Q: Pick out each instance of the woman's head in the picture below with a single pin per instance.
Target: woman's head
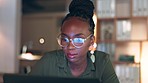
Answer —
(77, 30)
(84, 10)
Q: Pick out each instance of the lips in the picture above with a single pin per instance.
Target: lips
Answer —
(71, 55)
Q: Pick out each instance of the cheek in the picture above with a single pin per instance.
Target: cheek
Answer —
(84, 49)
(64, 49)
(87, 44)
(81, 51)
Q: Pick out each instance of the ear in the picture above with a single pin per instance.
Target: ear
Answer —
(92, 40)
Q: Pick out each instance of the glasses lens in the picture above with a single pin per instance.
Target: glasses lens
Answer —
(78, 41)
(63, 41)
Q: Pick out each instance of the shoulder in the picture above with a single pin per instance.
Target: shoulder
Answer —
(54, 52)
(102, 55)
(52, 55)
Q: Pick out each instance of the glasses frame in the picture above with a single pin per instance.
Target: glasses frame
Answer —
(71, 40)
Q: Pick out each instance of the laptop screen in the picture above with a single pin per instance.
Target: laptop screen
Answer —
(16, 78)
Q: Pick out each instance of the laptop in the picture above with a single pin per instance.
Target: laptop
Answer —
(17, 78)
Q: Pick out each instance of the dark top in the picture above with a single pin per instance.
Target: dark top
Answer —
(54, 64)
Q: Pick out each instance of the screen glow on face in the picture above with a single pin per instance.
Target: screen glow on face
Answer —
(76, 41)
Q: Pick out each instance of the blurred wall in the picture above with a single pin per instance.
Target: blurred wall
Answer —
(10, 13)
(37, 26)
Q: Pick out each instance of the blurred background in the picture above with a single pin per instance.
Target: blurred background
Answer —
(28, 28)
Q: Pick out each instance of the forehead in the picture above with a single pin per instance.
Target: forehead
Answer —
(74, 26)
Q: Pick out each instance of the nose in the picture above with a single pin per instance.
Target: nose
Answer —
(70, 45)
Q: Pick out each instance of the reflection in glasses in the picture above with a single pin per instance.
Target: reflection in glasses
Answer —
(77, 41)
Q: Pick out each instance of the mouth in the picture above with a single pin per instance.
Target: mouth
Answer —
(71, 55)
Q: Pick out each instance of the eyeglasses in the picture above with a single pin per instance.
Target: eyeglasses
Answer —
(77, 41)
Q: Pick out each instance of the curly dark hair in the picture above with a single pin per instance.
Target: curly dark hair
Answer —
(83, 9)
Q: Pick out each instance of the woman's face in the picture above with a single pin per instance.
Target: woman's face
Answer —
(74, 27)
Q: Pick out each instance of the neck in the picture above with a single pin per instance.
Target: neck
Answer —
(78, 68)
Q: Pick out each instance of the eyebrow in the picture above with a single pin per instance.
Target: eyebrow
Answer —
(74, 35)
(79, 34)
(64, 34)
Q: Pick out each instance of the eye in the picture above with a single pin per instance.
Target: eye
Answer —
(78, 40)
(64, 39)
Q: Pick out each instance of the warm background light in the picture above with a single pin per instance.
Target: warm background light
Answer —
(95, 31)
(29, 56)
(144, 63)
(41, 40)
(132, 48)
(2, 3)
